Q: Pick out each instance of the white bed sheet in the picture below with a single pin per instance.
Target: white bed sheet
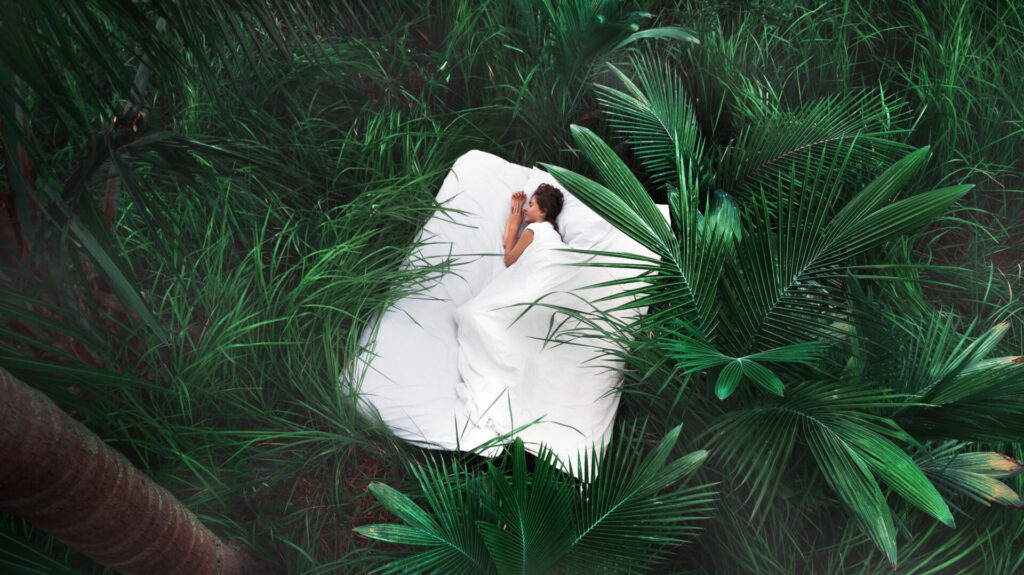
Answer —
(409, 376)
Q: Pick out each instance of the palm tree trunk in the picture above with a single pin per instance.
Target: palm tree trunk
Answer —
(63, 479)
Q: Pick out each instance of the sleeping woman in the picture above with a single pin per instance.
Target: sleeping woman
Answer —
(541, 214)
(512, 375)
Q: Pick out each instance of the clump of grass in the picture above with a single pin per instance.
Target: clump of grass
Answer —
(262, 276)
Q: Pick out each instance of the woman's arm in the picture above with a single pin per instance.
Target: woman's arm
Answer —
(517, 250)
(515, 219)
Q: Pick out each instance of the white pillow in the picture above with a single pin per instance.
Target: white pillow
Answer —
(580, 226)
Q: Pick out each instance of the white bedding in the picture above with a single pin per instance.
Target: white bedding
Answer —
(409, 374)
(514, 374)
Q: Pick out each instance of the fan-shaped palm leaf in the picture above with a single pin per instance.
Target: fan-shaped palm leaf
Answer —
(961, 394)
(449, 531)
(532, 512)
(657, 117)
(953, 390)
(632, 508)
(853, 449)
(690, 257)
(697, 356)
(516, 521)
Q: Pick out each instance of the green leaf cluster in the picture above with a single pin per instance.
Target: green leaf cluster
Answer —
(619, 516)
(757, 291)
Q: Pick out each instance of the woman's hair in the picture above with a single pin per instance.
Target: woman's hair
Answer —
(549, 200)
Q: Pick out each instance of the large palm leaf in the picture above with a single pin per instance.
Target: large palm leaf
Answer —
(788, 276)
(854, 450)
(659, 120)
(958, 470)
(954, 389)
(768, 142)
(773, 140)
(685, 275)
(794, 169)
(622, 513)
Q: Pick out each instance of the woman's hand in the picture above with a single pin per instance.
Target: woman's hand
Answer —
(515, 219)
(518, 200)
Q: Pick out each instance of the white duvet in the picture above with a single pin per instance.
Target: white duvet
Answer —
(469, 361)
(521, 367)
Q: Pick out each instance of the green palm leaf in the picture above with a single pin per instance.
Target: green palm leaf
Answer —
(421, 527)
(984, 402)
(449, 530)
(784, 286)
(532, 514)
(691, 256)
(765, 280)
(772, 144)
(625, 510)
(975, 475)
(953, 390)
(617, 176)
(661, 33)
(659, 120)
(896, 469)
(852, 448)
(850, 477)
(695, 355)
(631, 508)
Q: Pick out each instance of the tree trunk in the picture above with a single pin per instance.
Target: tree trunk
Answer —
(63, 479)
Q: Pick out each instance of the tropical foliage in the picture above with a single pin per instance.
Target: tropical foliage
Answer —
(735, 288)
(204, 205)
(618, 516)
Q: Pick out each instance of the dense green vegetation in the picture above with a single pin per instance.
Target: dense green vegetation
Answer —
(207, 202)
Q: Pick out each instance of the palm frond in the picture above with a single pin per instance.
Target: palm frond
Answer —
(511, 520)
(984, 402)
(862, 126)
(531, 531)
(784, 287)
(953, 390)
(632, 508)
(691, 261)
(694, 355)
(854, 451)
(658, 119)
(976, 475)
(449, 531)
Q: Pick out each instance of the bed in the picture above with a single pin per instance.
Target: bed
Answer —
(515, 378)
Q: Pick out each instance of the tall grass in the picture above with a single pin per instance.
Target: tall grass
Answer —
(259, 343)
(262, 275)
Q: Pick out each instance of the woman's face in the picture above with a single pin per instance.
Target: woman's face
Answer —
(532, 212)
